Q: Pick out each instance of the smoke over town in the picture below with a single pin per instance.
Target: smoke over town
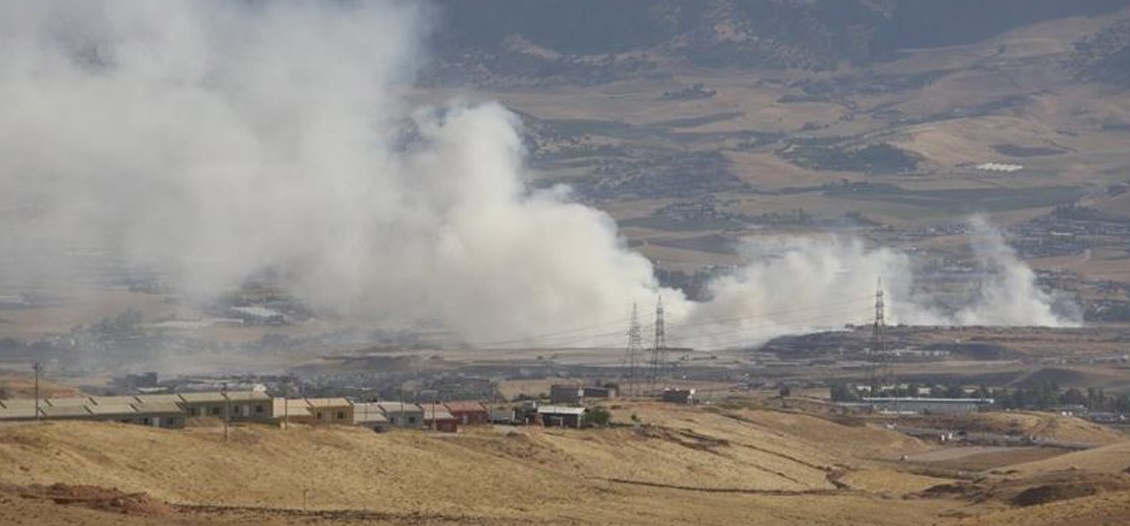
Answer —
(214, 140)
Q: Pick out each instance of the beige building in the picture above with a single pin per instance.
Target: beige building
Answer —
(330, 410)
(237, 406)
(369, 415)
(210, 404)
(123, 409)
(401, 414)
(293, 410)
(159, 414)
(66, 402)
(250, 405)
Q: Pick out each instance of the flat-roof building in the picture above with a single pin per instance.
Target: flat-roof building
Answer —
(250, 405)
(331, 410)
(561, 416)
(114, 400)
(402, 414)
(293, 410)
(65, 412)
(569, 394)
(66, 402)
(437, 418)
(204, 404)
(367, 414)
(17, 414)
(468, 412)
(678, 396)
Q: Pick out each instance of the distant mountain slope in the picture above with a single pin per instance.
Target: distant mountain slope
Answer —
(504, 36)
(1105, 57)
(926, 23)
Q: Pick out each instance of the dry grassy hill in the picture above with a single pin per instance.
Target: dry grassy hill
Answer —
(686, 467)
(21, 385)
(1042, 426)
(680, 466)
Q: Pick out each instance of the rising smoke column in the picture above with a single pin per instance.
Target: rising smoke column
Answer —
(798, 285)
(1009, 294)
(212, 140)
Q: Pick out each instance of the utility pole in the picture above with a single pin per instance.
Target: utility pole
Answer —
(634, 350)
(38, 367)
(286, 402)
(227, 409)
(659, 351)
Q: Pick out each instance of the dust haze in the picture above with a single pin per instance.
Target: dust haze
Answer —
(215, 140)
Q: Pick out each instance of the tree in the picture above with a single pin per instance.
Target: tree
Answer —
(843, 393)
(597, 417)
(1072, 396)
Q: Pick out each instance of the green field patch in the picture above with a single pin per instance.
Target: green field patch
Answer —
(1015, 150)
(713, 243)
(963, 200)
(691, 122)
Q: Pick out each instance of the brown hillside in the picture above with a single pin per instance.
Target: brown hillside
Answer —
(714, 467)
(19, 385)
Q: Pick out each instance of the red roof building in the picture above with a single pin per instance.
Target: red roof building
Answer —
(438, 419)
(468, 412)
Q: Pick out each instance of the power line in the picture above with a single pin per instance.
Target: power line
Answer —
(564, 332)
(565, 337)
(740, 340)
(634, 349)
(858, 301)
(830, 316)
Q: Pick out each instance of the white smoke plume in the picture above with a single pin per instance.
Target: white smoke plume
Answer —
(211, 140)
(215, 139)
(797, 285)
(1009, 294)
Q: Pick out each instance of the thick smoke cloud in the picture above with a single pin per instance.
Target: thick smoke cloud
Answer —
(1009, 294)
(212, 140)
(798, 285)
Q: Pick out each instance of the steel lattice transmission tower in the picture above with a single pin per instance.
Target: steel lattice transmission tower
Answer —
(634, 351)
(880, 367)
(659, 349)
